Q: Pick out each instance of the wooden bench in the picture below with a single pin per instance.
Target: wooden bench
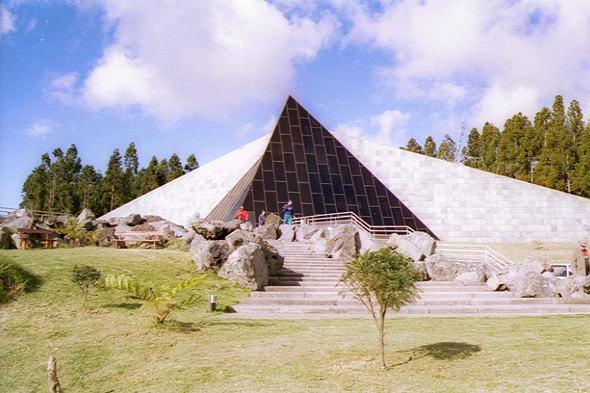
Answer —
(137, 236)
(29, 234)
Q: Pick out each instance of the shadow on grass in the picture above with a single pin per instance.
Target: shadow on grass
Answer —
(235, 322)
(16, 280)
(441, 351)
(125, 306)
(182, 327)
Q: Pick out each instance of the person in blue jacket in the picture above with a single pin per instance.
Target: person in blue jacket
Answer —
(288, 210)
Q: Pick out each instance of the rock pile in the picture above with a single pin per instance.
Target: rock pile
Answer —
(241, 256)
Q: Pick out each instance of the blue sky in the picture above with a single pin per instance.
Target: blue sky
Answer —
(205, 77)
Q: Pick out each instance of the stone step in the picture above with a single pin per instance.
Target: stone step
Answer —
(306, 277)
(328, 288)
(432, 295)
(313, 264)
(507, 309)
(336, 301)
(299, 273)
(307, 283)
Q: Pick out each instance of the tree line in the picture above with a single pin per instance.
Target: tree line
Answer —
(552, 151)
(61, 183)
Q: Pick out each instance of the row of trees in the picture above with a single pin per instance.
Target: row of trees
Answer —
(552, 151)
(62, 184)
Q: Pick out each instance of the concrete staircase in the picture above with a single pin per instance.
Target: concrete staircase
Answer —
(309, 284)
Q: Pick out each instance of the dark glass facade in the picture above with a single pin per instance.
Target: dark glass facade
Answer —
(305, 163)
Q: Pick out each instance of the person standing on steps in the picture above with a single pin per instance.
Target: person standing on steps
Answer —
(262, 218)
(242, 214)
(288, 210)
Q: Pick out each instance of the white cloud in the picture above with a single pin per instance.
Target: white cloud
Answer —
(7, 20)
(63, 87)
(41, 128)
(201, 58)
(269, 126)
(390, 125)
(387, 127)
(497, 57)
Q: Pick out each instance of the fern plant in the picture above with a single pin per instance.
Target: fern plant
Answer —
(157, 301)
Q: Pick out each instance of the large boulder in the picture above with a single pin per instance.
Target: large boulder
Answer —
(309, 233)
(416, 245)
(469, 278)
(343, 243)
(208, 254)
(133, 220)
(287, 232)
(246, 266)
(367, 244)
(239, 238)
(215, 230)
(273, 219)
(18, 219)
(87, 219)
(268, 231)
(247, 226)
(172, 233)
(441, 268)
(104, 236)
(531, 284)
(575, 289)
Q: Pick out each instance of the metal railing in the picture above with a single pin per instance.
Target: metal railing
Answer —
(474, 253)
(36, 213)
(375, 232)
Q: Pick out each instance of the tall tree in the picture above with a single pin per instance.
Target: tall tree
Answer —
(89, 190)
(113, 181)
(581, 179)
(150, 177)
(554, 158)
(35, 191)
(473, 152)
(191, 164)
(414, 146)
(162, 172)
(131, 168)
(511, 157)
(490, 139)
(54, 179)
(175, 169)
(447, 150)
(69, 174)
(430, 147)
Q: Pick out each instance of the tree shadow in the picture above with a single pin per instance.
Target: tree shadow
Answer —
(440, 351)
(447, 350)
(126, 306)
(182, 327)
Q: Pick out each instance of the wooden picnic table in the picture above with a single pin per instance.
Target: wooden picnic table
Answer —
(42, 235)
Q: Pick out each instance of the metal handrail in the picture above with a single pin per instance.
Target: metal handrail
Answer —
(475, 253)
(375, 232)
(7, 210)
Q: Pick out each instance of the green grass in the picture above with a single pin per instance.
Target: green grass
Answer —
(111, 346)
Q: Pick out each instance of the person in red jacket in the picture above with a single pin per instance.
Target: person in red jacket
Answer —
(242, 214)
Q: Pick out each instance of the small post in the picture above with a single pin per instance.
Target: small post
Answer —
(211, 303)
(54, 385)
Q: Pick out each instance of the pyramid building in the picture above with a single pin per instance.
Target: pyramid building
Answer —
(324, 173)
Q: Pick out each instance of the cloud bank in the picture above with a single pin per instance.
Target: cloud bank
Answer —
(202, 58)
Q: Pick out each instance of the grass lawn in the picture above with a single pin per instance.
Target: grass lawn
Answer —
(110, 345)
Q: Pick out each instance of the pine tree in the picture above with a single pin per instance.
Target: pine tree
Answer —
(447, 150)
(174, 168)
(430, 147)
(490, 138)
(35, 191)
(69, 173)
(553, 161)
(89, 189)
(414, 146)
(54, 179)
(511, 156)
(473, 152)
(191, 164)
(581, 179)
(131, 167)
(150, 177)
(162, 172)
(113, 181)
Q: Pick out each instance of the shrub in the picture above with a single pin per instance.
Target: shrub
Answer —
(382, 280)
(158, 301)
(85, 276)
(15, 280)
(75, 233)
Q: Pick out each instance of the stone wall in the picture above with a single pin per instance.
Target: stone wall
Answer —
(198, 191)
(459, 203)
